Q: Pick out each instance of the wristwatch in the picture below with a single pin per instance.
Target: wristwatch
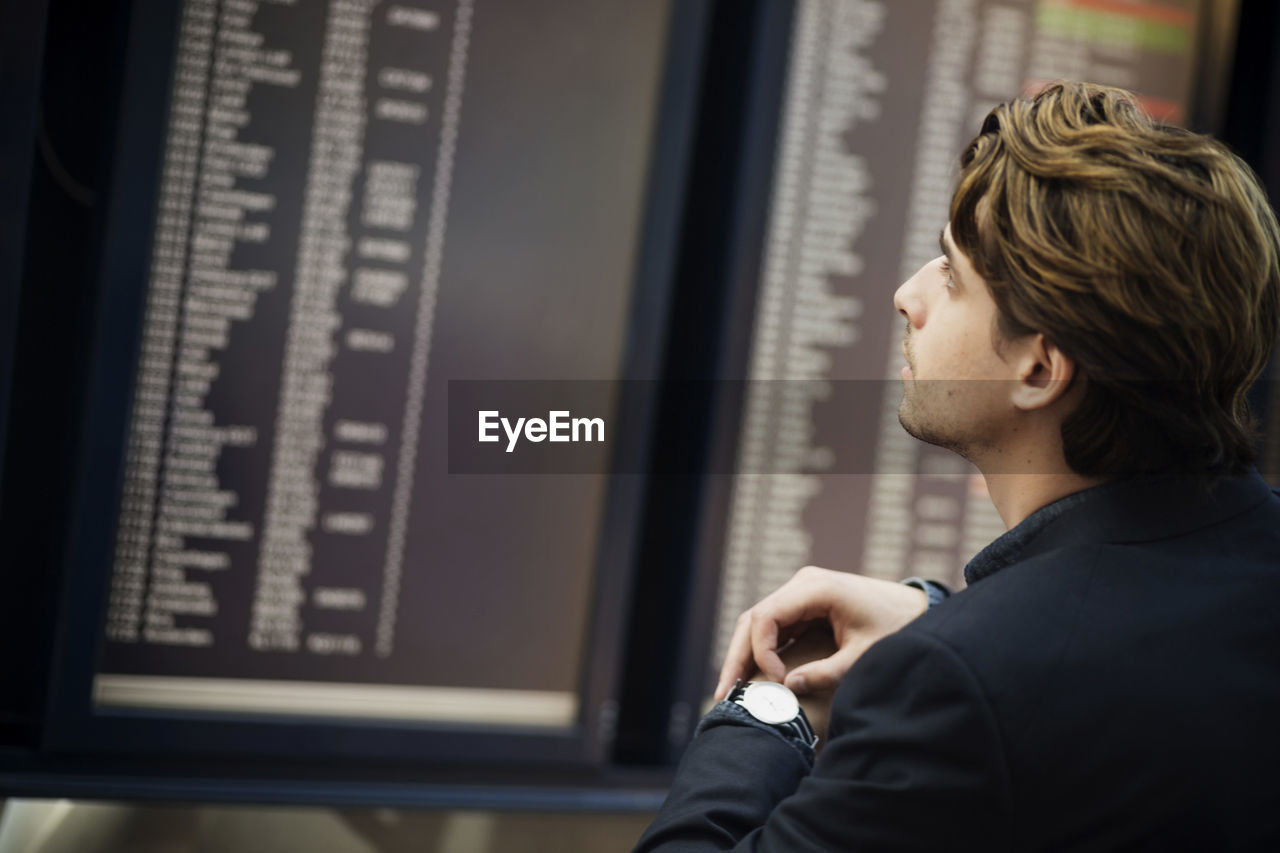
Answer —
(774, 705)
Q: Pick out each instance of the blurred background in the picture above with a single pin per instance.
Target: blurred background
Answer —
(262, 588)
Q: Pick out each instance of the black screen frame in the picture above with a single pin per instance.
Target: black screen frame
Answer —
(21, 54)
(21, 72)
(721, 253)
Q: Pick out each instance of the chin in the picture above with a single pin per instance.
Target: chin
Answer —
(919, 427)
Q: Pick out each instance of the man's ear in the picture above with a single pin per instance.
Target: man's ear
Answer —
(1044, 373)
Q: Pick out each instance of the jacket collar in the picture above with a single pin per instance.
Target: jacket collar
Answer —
(1133, 510)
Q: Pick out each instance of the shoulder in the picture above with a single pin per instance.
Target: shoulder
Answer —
(1032, 600)
(1127, 647)
(1005, 646)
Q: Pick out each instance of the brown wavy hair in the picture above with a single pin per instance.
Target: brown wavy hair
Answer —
(1146, 253)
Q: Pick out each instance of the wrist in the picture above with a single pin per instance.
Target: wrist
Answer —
(730, 714)
(767, 705)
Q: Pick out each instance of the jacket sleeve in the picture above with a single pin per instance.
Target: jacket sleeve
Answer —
(915, 762)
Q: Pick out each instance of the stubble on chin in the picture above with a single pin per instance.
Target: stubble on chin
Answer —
(912, 417)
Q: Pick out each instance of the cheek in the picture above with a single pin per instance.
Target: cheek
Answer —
(951, 352)
(972, 363)
(972, 347)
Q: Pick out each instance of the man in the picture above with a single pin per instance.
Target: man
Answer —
(1110, 678)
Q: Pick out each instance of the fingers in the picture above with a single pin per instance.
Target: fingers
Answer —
(857, 610)
(821, 675)
(756, 635)
(740, 661)
(736, 658)
(764, 644)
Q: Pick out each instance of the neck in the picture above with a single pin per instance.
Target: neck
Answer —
(1016, 496)
(1030, 474)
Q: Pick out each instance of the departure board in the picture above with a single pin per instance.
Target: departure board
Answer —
(880, 100)
(360, 201)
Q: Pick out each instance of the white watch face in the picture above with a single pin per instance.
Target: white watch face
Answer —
(770, 702)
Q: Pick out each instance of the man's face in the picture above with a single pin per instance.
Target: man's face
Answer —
(957, 386)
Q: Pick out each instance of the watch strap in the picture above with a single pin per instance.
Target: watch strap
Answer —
(798, 728)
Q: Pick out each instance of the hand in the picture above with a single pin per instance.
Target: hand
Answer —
(814, 642)
(860, 610)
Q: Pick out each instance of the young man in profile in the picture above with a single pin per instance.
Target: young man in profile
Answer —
(1110, 678)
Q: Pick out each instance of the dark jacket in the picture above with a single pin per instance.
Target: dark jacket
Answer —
(1110, 680)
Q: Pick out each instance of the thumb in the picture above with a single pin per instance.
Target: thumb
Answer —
(819, 675)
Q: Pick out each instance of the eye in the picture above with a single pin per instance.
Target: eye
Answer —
(945, 268)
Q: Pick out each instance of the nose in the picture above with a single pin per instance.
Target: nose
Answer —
(909, 300)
